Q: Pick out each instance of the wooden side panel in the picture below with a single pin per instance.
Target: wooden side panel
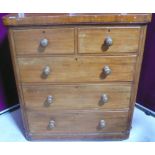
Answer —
(77, 121)
(125, 39)
(77, 96)
(137, 72)
(17, 79)
(81, 69)
(60, 41)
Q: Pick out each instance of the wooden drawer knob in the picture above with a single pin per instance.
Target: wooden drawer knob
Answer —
(104, 98)
(49, 100)
(51, 124)
(107, 70)
(108, 41)
(44, 42)
(102, 124)
(46, 71)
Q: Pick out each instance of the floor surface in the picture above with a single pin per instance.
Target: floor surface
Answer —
(11, 128)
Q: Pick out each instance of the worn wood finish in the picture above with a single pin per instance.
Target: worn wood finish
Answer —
(79, 137)
(75, 80)
(60, 41)
(75, 18)
(77, 96)
(91, 40)
(77, 69)
(77, 121)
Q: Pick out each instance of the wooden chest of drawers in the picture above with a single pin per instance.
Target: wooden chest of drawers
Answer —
(77, 74)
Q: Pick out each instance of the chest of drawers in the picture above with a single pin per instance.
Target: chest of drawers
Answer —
(77, 74)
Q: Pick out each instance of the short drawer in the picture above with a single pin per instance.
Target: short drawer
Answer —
(44, 41)
(77, 97)
(108, 40)
(77, 69)
(77, 122)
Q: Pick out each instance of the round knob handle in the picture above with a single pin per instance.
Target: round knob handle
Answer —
(104, 98)
(102, 124)
(44, 42)
(46, 71)
(108, 41)
(107, 70)
(49, 100)
(51, 124)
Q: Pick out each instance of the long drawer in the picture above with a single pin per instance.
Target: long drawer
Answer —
(77, 122)
(108, 40)
(83, 97)
(77, 69)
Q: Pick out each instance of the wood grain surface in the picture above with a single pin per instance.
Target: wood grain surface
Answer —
(91, 39)
(77, 121)
(80, 96)
(75, 18)
(60, 41)
(77, 69)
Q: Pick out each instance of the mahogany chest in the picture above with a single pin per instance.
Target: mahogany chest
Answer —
(77, 74)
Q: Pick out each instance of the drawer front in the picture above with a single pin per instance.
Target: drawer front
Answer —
(108, 40)
(77, 122)
(91, 96)
(44, 41)
(81, 69)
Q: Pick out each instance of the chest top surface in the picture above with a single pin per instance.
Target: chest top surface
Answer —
(74, 18)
